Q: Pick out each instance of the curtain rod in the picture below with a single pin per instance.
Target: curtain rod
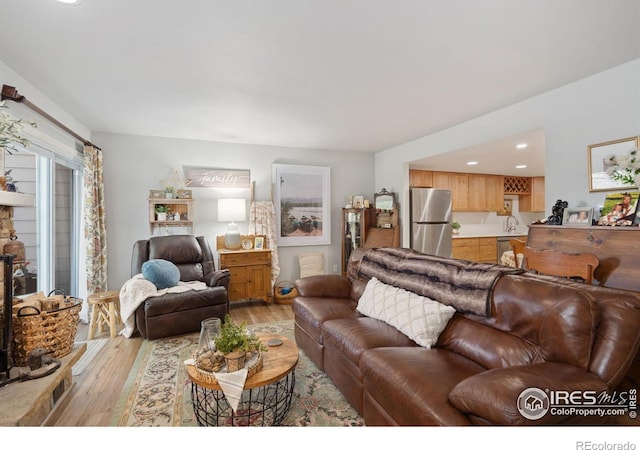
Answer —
(11, 93)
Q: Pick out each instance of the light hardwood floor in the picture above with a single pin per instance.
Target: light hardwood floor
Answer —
(95, 392)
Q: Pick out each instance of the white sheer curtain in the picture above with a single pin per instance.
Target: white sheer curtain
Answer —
(262, 220)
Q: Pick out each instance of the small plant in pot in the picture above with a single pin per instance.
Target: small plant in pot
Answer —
(456, 227)
(169, 191)
(237, 344)
(161, 212)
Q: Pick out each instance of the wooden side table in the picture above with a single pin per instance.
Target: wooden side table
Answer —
(249, 270)
(105, 311)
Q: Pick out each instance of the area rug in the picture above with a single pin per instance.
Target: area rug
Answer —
(158, 393)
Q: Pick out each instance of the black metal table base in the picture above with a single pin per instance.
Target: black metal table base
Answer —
(263, 406)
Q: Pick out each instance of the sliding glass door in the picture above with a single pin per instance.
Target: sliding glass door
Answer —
(65, 230)
(50, 230)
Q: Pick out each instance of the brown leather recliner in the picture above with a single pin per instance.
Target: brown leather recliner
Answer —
(178, 313)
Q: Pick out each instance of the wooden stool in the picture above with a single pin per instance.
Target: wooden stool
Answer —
(105, 310)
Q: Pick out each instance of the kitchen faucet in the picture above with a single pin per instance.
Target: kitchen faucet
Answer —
(509, 226)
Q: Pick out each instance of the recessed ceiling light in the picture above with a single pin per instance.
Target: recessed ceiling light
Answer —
(521, 166)
(523, 145)
(472, 163)
(69, 2)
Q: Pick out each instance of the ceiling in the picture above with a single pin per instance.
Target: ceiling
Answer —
(501, 157)
(352, 75)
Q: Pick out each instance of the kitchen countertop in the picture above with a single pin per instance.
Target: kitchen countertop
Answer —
(489, 234)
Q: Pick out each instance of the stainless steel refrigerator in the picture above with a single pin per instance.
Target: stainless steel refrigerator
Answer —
(431, 221)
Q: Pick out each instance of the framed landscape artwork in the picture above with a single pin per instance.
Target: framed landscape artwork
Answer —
(301, 196)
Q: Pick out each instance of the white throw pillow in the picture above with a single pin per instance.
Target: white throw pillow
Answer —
(420, 318)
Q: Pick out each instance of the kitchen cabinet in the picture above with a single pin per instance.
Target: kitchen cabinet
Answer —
(459, 185)
(465, 248)
(482, 192)
(534, 201)
(494, 198)
(421, 178)
(487, 250)
(485, 192)
(484, 249)
(441, 180)
(249, 271)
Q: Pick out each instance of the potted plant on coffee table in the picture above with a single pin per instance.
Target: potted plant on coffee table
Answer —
(237, 344)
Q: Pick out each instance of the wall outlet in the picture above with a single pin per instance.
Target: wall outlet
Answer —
(335, 268)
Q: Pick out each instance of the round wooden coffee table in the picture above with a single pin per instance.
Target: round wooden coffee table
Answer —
(267, 395)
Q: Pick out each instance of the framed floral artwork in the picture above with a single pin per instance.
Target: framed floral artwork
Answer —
(599, 162)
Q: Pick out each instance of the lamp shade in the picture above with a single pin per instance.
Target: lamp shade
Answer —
(232, 210)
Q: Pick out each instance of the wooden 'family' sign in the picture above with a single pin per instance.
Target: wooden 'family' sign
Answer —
(216, 178)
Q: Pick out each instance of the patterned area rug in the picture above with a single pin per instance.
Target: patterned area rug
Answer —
(158, 392)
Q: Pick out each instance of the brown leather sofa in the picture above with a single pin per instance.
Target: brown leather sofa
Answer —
(172, 314)
(541, 332)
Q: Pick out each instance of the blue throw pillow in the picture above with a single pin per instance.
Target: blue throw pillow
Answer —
(162, 273)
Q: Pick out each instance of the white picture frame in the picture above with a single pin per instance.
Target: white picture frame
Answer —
(577, 217)
(258, 243)
(302, 196)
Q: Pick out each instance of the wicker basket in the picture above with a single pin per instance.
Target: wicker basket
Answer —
(54, 330)
(284, 292)
(253, 366)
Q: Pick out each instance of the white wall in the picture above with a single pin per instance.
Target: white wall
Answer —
(9, 77)
(134, 164)
(599, 108)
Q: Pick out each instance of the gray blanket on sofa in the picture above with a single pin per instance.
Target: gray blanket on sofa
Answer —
(465, 285)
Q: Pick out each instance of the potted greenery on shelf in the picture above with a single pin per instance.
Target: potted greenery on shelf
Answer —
(456, 227)
(236, 343)
(161, 212)
(169, 191)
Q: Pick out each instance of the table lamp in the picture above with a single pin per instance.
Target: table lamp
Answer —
(232, 210)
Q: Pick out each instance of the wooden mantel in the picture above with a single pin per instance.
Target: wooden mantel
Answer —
(617, 248)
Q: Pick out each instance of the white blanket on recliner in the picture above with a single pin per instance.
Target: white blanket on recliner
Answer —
(138, 289)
